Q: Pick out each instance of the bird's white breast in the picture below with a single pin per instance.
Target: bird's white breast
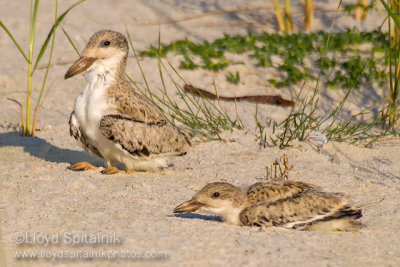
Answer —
(91, 105)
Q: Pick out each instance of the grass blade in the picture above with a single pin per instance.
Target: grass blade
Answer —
(45, 76)
(70, 41)
(391, 14)
(14, 41)
(52, 31)
(32, 28)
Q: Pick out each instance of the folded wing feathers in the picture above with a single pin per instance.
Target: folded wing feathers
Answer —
(270, 192)
(75, 131)
(310, 207)
(144, 139)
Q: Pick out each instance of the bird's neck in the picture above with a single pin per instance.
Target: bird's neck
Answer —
(230, 213)
(232, 216)
(108, 70)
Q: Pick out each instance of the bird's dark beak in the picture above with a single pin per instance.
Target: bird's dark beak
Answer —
(82, 64)
(188, 206)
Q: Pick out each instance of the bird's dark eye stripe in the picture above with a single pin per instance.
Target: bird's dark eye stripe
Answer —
(216, 194)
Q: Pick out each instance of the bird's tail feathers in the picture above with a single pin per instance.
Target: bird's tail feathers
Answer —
(153, 165)
(343, 224)
(342, 220)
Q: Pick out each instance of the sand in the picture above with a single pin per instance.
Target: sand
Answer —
(40, 197)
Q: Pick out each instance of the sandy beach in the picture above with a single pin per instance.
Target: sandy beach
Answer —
(38, 194)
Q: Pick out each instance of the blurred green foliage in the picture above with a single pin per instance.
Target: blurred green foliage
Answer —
(352, 57)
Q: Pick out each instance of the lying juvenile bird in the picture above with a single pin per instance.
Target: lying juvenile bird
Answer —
(287, 204)
(111, 120)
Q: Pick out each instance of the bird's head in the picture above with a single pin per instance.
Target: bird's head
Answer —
(219, 198)
(108, 48)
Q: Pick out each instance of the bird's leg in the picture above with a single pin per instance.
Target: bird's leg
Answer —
(110, 169)
(81, 166)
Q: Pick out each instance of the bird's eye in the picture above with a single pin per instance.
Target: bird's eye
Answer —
(106, 43)
(216, 194)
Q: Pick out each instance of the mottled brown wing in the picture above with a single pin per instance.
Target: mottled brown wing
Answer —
(75, 131)
(263, 192)
(308, 208)
(132, 104)
(144, 139)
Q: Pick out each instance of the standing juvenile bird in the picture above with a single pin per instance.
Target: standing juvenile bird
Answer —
(111, 120)
(292, 205)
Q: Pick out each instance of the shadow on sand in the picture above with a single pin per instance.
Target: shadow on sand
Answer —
(198, 216)
(42, 149)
